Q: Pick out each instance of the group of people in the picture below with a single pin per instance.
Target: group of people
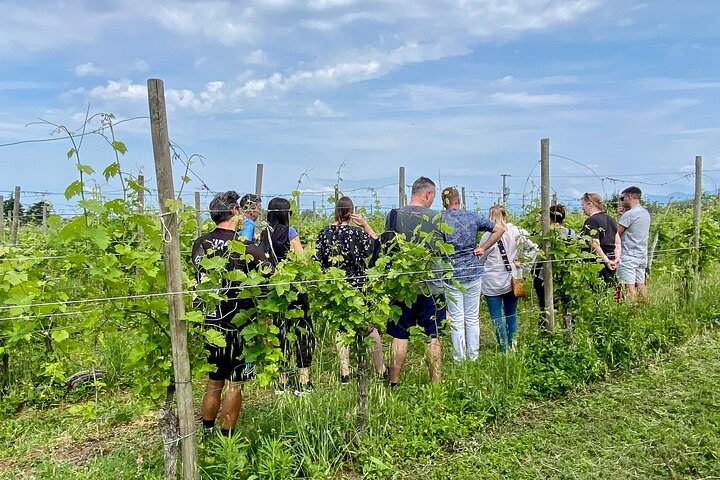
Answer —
(489, 267)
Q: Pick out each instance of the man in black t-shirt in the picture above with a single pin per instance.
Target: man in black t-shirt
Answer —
(229, 367)
(603, 229)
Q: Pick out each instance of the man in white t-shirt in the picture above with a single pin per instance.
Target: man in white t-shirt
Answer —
(634, 230)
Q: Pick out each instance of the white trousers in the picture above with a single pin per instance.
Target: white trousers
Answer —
(463, 309)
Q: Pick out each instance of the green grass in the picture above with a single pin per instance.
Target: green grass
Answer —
(661, 422)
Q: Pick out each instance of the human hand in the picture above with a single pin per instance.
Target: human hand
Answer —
(478, 251)
(359, 220)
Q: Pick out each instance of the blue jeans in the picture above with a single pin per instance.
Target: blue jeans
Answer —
(504, 327)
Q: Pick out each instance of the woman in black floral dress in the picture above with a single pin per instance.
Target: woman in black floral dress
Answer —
(349, 248)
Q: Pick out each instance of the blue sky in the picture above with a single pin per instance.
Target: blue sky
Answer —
(464, 89)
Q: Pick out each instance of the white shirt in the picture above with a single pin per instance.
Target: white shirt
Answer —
(518, 246)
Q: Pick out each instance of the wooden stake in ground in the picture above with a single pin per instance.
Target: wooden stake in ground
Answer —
(401, 187)
(15, 217)
(171, 257)
(697, 212)
(464, 203)
(258, 180)
(545, 216)
(2, 217)
(198, 215)
(141, 205)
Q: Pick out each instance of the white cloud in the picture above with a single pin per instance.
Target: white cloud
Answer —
(87, 70)
(256, 57)
(141, 66)
(674, 84)
(526, 100)
(321, 109)
(203, 101)
(119, 89)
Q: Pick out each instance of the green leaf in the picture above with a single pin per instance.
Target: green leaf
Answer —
(119, 147)
(185, 179)
(75, 188)
(71, 152)
(215, 338)
(111, 170)
(60, 335)
(85, 168)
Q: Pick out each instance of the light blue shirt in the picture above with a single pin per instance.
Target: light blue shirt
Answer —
(248, 230)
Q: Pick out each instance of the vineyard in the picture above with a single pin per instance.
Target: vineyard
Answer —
(84, 296)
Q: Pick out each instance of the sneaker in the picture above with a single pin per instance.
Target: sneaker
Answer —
(281, 389)
(513, 347)
(303, 390)
(344, 379)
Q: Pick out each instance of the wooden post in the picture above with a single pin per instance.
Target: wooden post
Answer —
(505, 190)
(44, 216)
(297, 202)
(198, 215)
(2, 217)
(554, 199)
(314, 217)
(697, 212)
(258, 180)
(171, 257)
(401, 187)
(15, 217)
(545, 215)
(464, 204)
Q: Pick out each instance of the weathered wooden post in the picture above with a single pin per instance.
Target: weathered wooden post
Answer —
(198, 215)
(402, 198)
(15, 217)
(2, 217)
(44, 216)
(141, 205)
(314, 217)
(697, 212)
(545, 217)
(171, 257)
(258, 180)
(464, 204)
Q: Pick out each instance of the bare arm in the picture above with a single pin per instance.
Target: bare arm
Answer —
(296, 246)
(618, 246)
(495, 235)
(598, 250)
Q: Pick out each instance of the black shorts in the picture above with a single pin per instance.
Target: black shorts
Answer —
(427, 312)
(226, 360)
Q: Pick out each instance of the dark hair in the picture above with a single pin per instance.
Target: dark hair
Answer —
(633, 191)
(221, 206)
(278, 212)
(557, 213)
(249, 201)
(344, 207)
(450, 196)
(422, 184)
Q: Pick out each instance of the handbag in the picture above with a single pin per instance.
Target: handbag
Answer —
(517, 284)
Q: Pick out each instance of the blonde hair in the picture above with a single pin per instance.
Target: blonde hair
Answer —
(594, 199)
(450, 196)
(497, 214)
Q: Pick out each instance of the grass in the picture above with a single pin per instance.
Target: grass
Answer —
(661, 422)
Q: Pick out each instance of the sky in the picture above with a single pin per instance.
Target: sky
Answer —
(460, 91)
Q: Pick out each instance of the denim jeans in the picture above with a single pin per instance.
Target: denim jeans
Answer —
(504, 327)
(464, 309)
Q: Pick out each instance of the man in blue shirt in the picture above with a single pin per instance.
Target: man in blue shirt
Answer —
(251, 206)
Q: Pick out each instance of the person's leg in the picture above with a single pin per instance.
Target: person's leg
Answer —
(344, 353)
(510, 303)
(377, 352)
(231, 405)
(456, 310)
(211, 402)
(471, 306)
(305, 347)
(640, 287)
(434, 360)
(398, 347)
(626, 276)
(398, 353)
(494, 303)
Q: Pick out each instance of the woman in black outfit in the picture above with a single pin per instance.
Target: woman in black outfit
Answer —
(277, 240)
(350, 248)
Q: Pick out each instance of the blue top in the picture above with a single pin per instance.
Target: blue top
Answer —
(464, 237)
(248, 230)
(292, 233)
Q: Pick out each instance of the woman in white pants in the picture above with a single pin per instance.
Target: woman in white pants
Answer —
(463, 290)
